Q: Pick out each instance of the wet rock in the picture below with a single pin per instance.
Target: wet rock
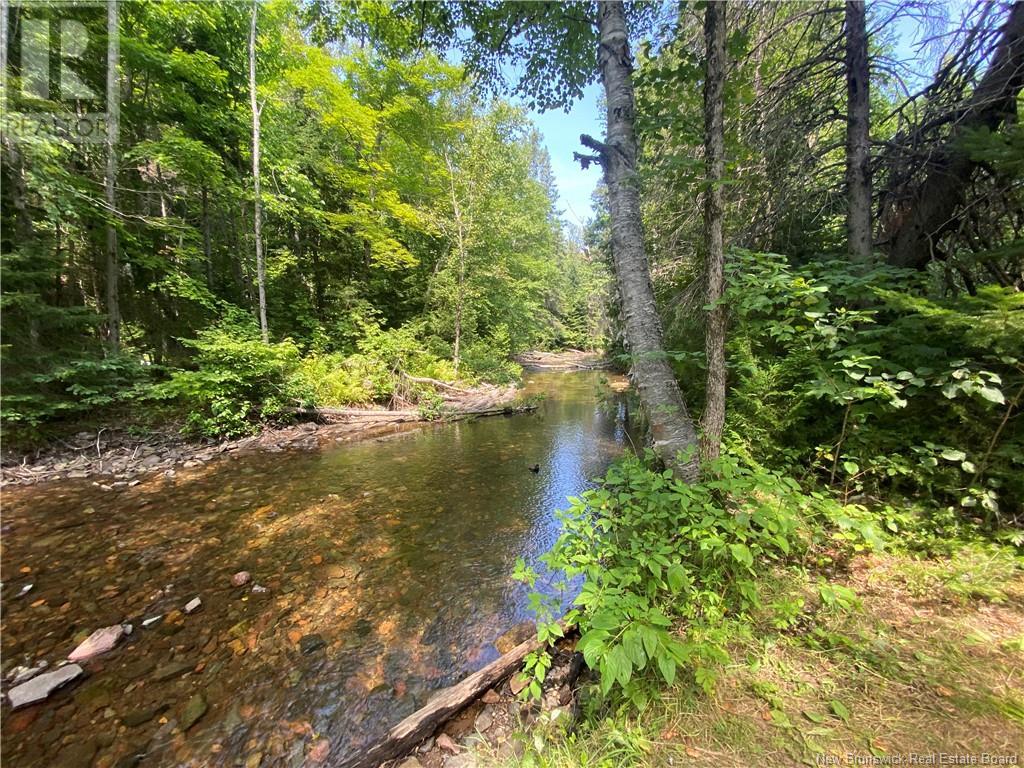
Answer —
(311, 643)
(427, 745)
(138, 669)
(194, 709)
(240, 579)
(41, 686)
(193, 605)
(128, 629)
(25, 590)
(172, 669)
(410, 762)
(100, 641)
(520, 633)
(259, 589)
(77, 754)
(94, 697)
(21, 675)
(138, 717)
(319, 751)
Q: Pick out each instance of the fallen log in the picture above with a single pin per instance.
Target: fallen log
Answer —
(446, 703)
(391, 417)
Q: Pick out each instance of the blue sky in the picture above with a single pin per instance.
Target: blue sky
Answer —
(561, 131)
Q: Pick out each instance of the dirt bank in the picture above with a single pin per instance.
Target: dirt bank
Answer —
(118, 457)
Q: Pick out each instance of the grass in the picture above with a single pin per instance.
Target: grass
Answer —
(931, 661)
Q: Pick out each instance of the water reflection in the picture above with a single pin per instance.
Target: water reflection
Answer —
(394, 553)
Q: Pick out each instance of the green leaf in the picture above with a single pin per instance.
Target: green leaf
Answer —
(741, 553)
(851, 467)
(667, 667)
(951, 454)
(814, 717)
(677, 578)
(992, 394)
(839, 710)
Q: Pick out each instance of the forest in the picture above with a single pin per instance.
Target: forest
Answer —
(806, 258)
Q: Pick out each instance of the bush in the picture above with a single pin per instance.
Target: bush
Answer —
(237, 379)
(652, 553)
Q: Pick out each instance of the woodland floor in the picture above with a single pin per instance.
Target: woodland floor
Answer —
(932, 663)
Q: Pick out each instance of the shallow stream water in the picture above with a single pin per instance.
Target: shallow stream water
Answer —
(386, 566)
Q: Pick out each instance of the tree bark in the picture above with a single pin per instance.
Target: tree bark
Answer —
(933, 208)
(257, 225)
(713, 418)
(110, 181)
(672, 429)
(858, 140)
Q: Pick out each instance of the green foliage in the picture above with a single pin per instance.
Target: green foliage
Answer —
(669, 572)
(238, 379)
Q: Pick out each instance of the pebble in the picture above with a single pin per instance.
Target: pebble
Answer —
(259, 589)
(100, 641)
(240, 579)
(25, 590)
(484, 719)
(41, 686)
(193, 605)
(147, 623)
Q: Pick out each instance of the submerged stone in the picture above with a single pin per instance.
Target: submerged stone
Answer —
(100, 641)
(194, 709)
(311, 643)
(40, 687)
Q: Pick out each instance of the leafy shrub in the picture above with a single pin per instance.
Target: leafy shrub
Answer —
(489, 359)
(653, 553)
(238, 378)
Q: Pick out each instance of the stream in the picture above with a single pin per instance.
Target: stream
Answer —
(380, 572)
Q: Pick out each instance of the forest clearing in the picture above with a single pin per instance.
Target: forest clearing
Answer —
(518, 384)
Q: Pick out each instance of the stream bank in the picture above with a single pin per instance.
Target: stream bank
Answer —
(118, 458)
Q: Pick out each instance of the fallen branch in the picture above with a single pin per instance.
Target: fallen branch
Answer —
(446, 703)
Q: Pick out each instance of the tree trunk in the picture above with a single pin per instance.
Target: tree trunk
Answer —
(672, 429)
(858, 128)
(110, 181)
(713, 418)
(207, 250)
(460, 244)
(257, 222)
(933, 208)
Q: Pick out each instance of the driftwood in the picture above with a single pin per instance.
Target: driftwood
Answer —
(394, 417)
(446, 703)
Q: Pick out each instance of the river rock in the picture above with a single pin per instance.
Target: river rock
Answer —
(41, 686)
(484, 719)
(21, 675)
(138, 717)
(517, 683)
(240, 579)
(100, 641)
(172, 669)
(520, 633)
(193, 605)
(410, 762)
(147, 623)
(194, 709)
(311, 643)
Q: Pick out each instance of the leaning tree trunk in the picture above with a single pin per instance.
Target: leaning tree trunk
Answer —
(858, 141)
(934, 206)
(110, 181)
(257, 223)
(675, 438)
(713, 418)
